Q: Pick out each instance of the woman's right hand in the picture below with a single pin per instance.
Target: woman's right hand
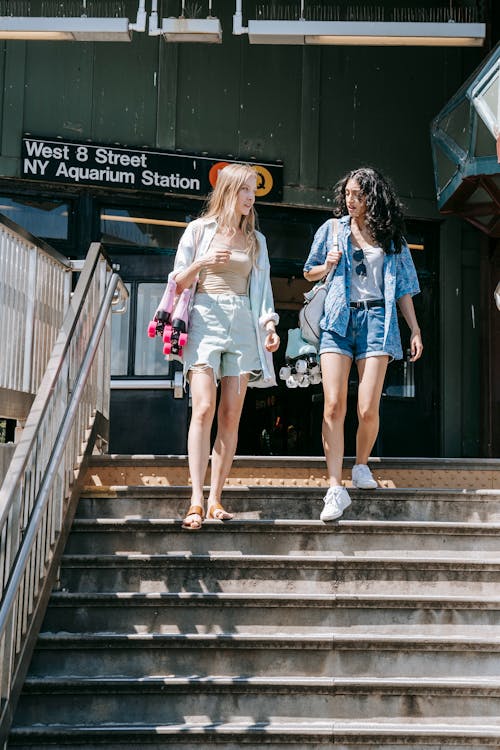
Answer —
(333, 259)
(215, 257)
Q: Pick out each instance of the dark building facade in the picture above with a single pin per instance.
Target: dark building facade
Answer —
(119, 143)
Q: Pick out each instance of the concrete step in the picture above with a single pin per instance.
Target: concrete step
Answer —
(369, 654)
(303, 471)
(96, 701)
(126, 612)
(330, 573)
(297, 503)
(358, 734)
(284, 537)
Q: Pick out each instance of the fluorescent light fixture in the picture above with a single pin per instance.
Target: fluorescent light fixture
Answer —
(184, 29)
(369, 33)
(143, 220)
(78, 29)
(70, 29)
(206, 30)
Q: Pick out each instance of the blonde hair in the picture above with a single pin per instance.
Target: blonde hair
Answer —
(221, 203)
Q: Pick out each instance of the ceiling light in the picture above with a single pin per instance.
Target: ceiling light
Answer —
(183, 29)
(369, 33)
(206, 30)
(79, 29)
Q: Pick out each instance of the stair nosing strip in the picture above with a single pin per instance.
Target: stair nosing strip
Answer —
(332, 640)
(403, 601)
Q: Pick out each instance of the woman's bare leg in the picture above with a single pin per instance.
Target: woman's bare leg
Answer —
(335, 370)
(203, 399)
(233, 390)
(371, 381)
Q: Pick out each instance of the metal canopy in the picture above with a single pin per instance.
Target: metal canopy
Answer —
(466, 149)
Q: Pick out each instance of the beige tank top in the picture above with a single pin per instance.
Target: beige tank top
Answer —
(226, 278)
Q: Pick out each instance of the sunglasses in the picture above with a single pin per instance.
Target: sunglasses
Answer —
(359, 257)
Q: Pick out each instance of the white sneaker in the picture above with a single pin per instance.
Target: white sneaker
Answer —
(336, 501)
(362, 477)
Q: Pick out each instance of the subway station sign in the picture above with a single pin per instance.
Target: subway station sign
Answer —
(92, 164)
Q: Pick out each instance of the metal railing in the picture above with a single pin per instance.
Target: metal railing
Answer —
(35, 286)
(39, 494)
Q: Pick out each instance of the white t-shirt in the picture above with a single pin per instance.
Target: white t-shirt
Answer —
(371, 286)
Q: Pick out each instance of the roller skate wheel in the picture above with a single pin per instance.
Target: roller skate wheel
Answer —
(167, 334)
(291, 382)
(167, 348)
(285, 373)
(304, 381)
(152, 329)
(301, 366)
(183, 337)
(315, 379)
(314, 370)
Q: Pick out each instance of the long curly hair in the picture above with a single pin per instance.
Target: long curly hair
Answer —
(384, 210)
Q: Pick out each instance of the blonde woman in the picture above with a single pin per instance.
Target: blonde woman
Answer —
(232, 328)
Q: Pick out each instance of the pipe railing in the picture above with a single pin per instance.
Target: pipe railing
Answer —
(35, 287)
(38, 496)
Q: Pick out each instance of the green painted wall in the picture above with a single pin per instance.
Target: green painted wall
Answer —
(321, 111)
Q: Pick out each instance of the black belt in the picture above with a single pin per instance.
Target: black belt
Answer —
(366, 304)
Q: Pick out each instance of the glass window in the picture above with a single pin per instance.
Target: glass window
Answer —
(42, 217)
(485, 143)
(120, 323)
(149, 357)
(490, 96)
(142, 228)
(446, 169)
(456, 124)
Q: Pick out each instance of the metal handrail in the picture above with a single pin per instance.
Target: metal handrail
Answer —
(35, 287)
(38, 496)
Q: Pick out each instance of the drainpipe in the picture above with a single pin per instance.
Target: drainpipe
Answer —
(140, 24)
(238, 28)
(154, 30)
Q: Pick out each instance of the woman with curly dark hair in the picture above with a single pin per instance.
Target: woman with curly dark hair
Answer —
(371, 269)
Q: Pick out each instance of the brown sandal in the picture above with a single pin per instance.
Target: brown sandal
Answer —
(218, 513)
(194, 510)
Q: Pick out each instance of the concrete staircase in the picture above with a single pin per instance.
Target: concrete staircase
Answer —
(273, 630)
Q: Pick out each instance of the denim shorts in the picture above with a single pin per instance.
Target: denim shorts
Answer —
(221, 335)
(364, 336)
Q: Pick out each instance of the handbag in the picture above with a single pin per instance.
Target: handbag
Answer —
(314, 301)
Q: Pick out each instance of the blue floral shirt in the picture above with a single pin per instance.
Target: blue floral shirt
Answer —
(400, 278)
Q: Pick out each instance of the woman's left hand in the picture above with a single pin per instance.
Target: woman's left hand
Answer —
(416, 346)
(272, 341)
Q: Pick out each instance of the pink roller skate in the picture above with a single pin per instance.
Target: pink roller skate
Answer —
(175, 336)
(163, 314)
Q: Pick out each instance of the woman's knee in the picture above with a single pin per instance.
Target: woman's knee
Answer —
(368, 413)
(202, 410)
(334, 409)
(228, 417)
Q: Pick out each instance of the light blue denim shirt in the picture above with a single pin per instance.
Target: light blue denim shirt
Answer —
(196, 242)
(400, 278)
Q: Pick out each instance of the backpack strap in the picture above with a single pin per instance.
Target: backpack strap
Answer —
(335, 246)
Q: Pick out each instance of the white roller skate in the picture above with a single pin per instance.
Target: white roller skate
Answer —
(302, 362)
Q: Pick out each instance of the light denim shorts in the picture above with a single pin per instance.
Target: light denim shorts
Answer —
(364, 336)
(222, 336)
